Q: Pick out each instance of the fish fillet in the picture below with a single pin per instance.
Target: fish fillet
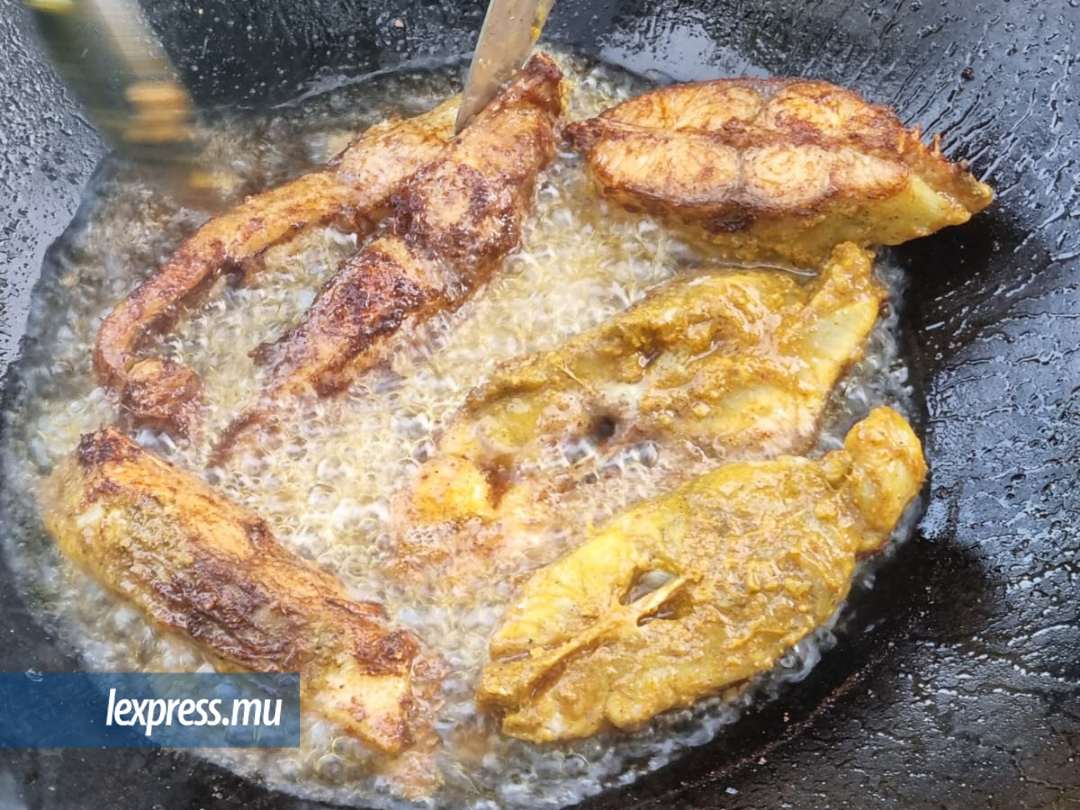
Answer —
(453, 223)
(698, 590)
(725, 364)
(775, 170)
(352, 193)
(200, 566)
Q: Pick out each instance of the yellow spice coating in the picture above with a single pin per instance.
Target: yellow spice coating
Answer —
(726, 365)
(685, 594)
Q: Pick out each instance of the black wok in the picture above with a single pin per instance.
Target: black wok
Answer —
(956, 682)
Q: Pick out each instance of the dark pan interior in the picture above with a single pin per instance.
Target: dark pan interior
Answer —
(957, 681)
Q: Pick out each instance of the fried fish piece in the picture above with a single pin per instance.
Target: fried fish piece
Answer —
(775, 170)
(453, 222)
(203, 567)
(352, 192)
(698, 590)
(725, 364)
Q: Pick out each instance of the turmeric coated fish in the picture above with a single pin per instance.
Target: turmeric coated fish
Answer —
(727, 365)
(775, 170)
(701, 589)
(200, 566)
(352, 192)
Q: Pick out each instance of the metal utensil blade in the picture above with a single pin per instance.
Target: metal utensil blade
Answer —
(511, 28)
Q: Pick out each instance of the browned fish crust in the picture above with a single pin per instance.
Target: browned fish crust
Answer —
(454, 221)
(775, 169)
(352, 192)
(197, 564)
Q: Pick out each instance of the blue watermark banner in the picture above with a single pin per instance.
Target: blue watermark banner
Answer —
(149, 710)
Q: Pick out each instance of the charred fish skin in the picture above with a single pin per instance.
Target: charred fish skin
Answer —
(352, 192)
(202, 567)
(700, 589)
(725, 364)
(454, 221)
(775, 170)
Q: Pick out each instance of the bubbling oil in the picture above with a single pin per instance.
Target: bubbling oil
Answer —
(326, 486)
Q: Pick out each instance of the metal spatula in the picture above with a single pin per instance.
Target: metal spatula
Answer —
(510, 30)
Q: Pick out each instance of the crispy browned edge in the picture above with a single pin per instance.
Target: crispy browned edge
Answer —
(227, 604)
(883, 135)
